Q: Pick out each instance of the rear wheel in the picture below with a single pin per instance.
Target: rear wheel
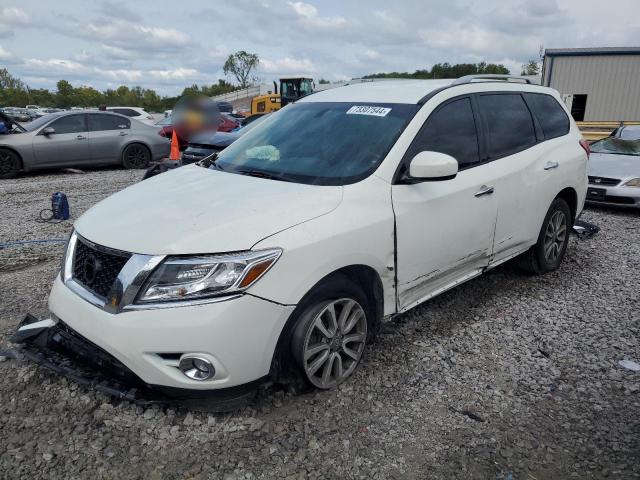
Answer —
(547, 254)
(10, 164)
(331, 333)
(136, 156)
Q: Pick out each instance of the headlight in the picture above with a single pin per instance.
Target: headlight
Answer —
(67, 257)
(201, 276)
(634, 182)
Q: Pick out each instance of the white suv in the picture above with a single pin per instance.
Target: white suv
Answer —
(281, 256)
(133, 112)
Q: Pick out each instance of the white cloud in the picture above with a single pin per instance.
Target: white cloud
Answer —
(14, 16)
(288, 65)
(125, 34)
(309, 14)
(5, 55)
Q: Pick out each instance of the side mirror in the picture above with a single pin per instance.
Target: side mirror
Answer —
(48, 131)
(433, 166)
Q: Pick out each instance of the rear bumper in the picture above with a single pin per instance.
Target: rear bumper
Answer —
(613, 196)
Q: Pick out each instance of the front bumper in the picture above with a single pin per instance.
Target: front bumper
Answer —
(617, 196)
(238, 336)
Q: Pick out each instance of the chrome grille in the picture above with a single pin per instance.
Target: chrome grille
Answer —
(605, 181)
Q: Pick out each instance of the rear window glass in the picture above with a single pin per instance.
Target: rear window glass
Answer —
(550, 114)
(125, 111)
(509, 124)
(104, 121)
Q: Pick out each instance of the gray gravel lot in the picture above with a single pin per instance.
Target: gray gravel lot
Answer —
(507, 376)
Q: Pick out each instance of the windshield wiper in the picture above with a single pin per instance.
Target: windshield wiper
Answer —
(210, 161)
(263, 174)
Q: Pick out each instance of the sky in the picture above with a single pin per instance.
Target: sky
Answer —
(167, 45)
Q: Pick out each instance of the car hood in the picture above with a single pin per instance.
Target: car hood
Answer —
(196, 210)
(614, 166)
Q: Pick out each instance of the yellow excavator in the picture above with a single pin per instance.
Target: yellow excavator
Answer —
(291, 89)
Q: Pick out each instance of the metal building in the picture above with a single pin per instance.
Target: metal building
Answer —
(597, 84)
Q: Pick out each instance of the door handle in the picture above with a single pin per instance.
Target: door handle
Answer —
(551, 165)
(81, 137)
(484, 190)
(123, 134)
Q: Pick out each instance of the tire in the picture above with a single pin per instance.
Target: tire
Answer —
(330, 333)
(547, 254)
(10, 164)
(136, 156)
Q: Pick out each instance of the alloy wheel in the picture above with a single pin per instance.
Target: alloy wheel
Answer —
(136, 156)
(6, 163)
(555, 236)
(334, 343)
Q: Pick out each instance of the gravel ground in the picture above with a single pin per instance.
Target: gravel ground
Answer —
(507, 376)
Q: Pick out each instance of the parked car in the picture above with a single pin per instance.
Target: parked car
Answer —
(206, 143)
(228, 122)
(614, 169)
(17, 114)
(132, 112)
(225, 107)
(71, 139)
(281, 259)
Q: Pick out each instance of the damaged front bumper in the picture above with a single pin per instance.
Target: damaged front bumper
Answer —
(54, 345)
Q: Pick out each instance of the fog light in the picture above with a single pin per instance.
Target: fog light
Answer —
(197, 368)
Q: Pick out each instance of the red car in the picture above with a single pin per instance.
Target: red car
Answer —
(227, 124)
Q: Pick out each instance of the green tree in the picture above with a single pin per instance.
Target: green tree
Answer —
(8, 81)
(64, 94)
(240, 65)
(323, 81)
(446, 70)
(531, 68)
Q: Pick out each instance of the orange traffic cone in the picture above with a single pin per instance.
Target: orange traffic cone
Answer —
(175, 147)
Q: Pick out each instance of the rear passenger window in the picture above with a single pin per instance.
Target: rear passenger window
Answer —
(551, 116)
(509, 124)
(125, 111)
(104, 121)
(452, 130)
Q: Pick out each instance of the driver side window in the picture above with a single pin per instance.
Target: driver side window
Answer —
(451, 129)
(70, 124)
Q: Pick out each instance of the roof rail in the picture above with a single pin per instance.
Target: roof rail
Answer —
(491, 78)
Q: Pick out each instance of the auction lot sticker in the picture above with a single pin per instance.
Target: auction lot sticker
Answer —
(368, 110)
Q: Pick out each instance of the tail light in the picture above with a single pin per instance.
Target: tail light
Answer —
(585, 145)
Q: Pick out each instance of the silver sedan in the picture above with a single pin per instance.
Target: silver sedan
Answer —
(80, 139)
(614, 169)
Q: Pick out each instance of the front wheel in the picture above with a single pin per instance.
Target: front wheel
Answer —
(136, 156)
(547, 254)
(331, 334)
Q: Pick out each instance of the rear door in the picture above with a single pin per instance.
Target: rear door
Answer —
(108, 134)
(69, 145)
(527, 173)
(444, 229)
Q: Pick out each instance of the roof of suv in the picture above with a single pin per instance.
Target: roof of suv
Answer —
(401, 91)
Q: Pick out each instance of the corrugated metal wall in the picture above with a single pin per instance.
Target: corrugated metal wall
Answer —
(611, 83)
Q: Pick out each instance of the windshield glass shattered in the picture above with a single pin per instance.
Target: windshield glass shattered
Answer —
(616, 146)
(321, 143)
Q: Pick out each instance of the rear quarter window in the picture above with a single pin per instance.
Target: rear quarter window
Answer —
(509, 123)
(550, 115)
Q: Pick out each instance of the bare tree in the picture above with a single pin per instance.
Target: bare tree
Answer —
(240, 65)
